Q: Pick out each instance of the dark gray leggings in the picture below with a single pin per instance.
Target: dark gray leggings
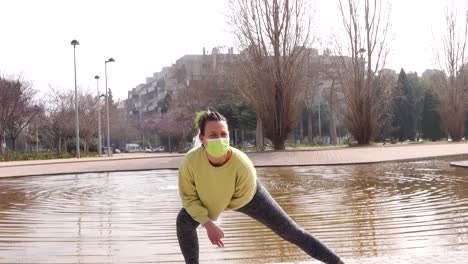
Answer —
(264, 209)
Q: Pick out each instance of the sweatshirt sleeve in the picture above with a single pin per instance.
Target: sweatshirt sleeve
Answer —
(245, 186)
(188, 194)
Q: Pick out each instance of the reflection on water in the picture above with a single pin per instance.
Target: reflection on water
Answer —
(129, 217)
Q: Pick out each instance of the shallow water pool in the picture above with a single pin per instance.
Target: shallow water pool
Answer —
(387, 209)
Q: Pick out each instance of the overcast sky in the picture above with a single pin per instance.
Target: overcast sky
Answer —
(145, 35)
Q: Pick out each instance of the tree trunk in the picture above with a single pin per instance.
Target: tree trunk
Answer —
(301, 129)
(170, 147)
(13, 143)
(3, 144)
(259, 134)
(310, 135)
(235, 137)
(278, 143)
(294, 136)
(332, 123)
(332, 128)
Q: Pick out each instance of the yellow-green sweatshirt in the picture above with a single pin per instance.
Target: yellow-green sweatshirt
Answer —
(206, 191)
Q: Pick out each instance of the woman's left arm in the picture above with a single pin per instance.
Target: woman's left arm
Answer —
(246, 184)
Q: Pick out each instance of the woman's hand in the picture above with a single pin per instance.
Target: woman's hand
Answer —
(215, 234)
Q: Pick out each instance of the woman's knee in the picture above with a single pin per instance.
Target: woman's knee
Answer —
(290, 231)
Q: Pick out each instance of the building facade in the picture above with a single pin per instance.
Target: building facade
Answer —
(150, 98)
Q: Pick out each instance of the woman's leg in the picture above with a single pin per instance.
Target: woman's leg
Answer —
(187, 236)
(266, 210)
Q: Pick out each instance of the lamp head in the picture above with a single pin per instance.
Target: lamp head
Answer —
(96, 77)
(75, 42)
(110, 60)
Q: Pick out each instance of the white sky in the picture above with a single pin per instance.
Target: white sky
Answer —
(145, 35)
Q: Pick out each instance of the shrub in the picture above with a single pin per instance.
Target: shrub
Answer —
(15, 156)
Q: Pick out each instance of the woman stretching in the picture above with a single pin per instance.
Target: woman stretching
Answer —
(215, 177)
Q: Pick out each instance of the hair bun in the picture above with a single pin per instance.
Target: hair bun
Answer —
(199, 116)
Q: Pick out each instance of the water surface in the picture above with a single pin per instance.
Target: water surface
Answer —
(129, 217)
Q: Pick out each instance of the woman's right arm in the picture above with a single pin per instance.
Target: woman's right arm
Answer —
(188, 194)
(215, 234)
(195, 208)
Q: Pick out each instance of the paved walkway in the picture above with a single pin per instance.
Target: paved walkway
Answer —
(303, 157)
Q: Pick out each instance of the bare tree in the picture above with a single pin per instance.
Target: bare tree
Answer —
(451, 89)
(212, 93)
(321, 79)
(17, 108)
(273, 36)
(115, 117)
(21, 119)
(311, 82)
(60, 109)
(35, 136)
(88, 118)
(331, 69)
(366, 24)
(59, 112)
(174, 125)
(335, 101)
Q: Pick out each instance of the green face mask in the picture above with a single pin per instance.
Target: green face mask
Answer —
(217, 147)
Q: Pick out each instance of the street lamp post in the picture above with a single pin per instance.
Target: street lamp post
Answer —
(77, 126)
(107, 106)
(99, 116)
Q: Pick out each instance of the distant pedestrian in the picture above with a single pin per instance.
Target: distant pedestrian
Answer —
(215, 177)
(196, 140)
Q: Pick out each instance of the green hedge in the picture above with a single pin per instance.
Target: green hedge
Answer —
(14, 156)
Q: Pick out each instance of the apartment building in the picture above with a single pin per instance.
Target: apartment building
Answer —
(149, 98)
